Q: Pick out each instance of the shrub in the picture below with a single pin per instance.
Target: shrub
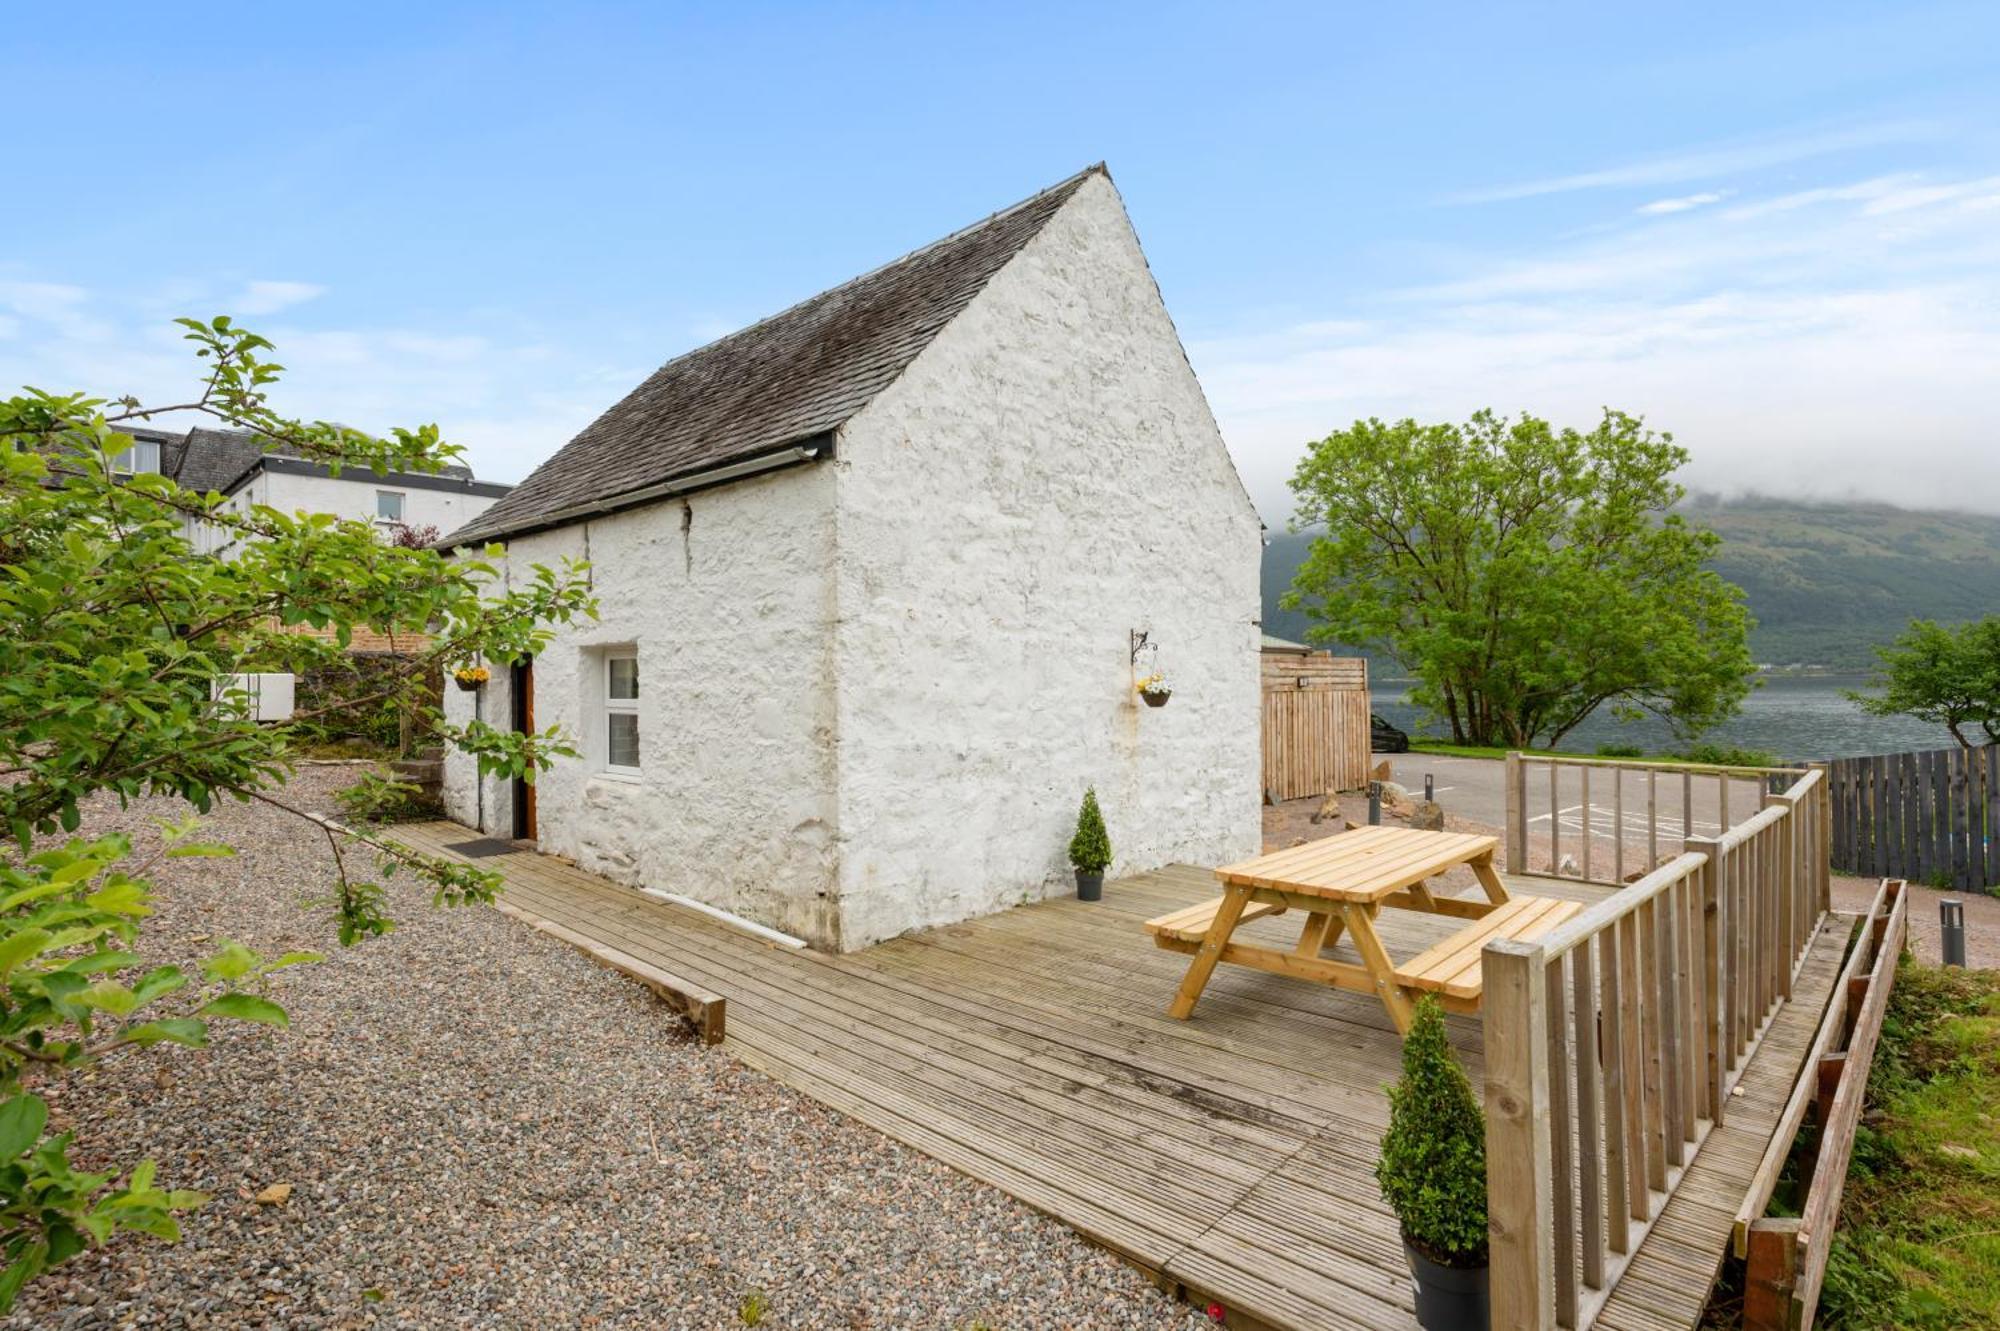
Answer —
(1433, 1165)
(1620, 751)
(1090, 848)
(1728, 755)
(378, 798)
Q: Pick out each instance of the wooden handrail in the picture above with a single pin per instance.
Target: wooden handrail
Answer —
(1618, 905)
(1830, 1035)
(1786, 1257)
(1662, 764)
(1612, 1042)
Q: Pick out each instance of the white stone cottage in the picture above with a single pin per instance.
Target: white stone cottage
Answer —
(871, 575)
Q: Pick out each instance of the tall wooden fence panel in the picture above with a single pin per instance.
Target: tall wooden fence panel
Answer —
(1930, 817)
(1316, 736)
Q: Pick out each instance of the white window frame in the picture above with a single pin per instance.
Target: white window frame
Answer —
(619, 707)
(127, 463)
(402, 507)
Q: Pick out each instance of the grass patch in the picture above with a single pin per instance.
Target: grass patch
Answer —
(1918, 1243)
(1715, 755)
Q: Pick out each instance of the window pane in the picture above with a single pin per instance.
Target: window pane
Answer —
(624, 677)
(389, 504)
(623, 736)
(145, 456)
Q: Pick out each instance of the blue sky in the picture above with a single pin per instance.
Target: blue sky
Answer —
(1772, 229)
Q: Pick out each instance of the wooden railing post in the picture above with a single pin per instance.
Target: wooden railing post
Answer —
(1713, 979)
(1517, 814)
(1520, 1203)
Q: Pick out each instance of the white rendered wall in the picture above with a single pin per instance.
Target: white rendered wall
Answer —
(729, 600)
(1043, 479)
(352, 495)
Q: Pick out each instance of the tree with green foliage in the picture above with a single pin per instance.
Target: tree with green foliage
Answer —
(117, 644)
(1948, 675)
(1525, 576)
(1090, 846)
(1433, 1165)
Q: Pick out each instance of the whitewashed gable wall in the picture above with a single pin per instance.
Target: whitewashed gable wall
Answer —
(1045, 478)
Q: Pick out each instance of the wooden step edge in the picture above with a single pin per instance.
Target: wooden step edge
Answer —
(703, 1009)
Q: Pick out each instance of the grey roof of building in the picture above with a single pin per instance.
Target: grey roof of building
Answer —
(1273, 643)
(794, 376)
(208, 459)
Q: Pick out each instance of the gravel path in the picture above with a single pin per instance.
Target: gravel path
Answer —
(483, 1129)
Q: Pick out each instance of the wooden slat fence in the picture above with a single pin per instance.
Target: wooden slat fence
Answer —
(1612, 1045)
(1786, 1256)
(1611, 821)
(1316, 736)
(1929, 817)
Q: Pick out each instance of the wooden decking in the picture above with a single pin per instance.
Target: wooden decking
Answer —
(1231, 1156)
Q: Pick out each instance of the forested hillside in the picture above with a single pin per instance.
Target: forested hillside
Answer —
(1825, 581)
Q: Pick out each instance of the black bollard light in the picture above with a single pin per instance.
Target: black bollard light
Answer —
(1430, 791)
(1951, 930)
(1374, 803)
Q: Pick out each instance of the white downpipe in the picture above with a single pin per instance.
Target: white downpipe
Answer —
(734, 921)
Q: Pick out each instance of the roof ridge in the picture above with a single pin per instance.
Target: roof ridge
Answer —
(1066, 182)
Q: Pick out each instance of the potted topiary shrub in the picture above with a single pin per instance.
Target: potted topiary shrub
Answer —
(1433, 1176)
(1090, 848)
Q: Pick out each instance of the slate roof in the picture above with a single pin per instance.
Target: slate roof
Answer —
(795, 375)
(209, 459)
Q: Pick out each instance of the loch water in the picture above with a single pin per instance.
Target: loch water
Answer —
(1788, 716)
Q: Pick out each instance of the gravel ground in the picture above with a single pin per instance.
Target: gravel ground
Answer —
(483, 1129)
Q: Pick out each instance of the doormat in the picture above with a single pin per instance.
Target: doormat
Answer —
(482, 847)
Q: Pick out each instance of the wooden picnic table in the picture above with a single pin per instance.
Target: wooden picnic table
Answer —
(1341, 883)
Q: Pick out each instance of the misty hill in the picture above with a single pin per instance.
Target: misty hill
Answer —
(1825, 581)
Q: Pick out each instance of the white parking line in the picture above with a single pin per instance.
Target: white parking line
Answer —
(1604, 822)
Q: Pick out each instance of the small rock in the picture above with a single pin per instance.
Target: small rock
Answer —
(1958, 1152)
(1427, 816)
(275, 1195)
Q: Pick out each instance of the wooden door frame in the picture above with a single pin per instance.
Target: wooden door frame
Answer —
(522, 679)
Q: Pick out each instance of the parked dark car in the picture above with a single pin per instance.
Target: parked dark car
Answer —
(1385, 738)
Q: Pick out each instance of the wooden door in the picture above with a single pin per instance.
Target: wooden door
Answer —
(524, 723)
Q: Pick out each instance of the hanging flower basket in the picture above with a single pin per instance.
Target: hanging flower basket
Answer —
(1155, 690)
(471, 678)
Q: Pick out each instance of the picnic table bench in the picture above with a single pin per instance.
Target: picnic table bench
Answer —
(1341, 884)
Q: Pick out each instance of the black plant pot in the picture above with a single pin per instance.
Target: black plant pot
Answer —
(1156, 699)
(1089, 886)
(1449, 1298)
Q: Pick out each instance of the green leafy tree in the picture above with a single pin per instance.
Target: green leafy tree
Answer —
(1433, 1165)
(1090, 846)
(1947, 675)
(1526, 576)
(117, 644)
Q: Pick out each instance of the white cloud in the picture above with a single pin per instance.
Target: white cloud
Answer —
(1709, 162)
(1686, 203)
(271, 297)
(1813, 344)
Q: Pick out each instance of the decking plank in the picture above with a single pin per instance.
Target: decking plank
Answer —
(1231, 1156)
